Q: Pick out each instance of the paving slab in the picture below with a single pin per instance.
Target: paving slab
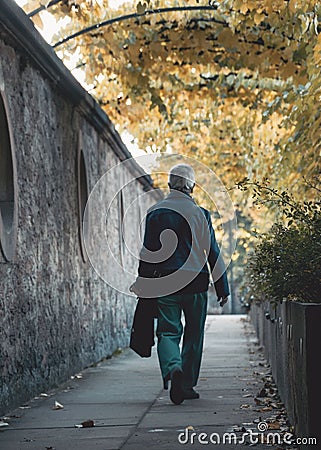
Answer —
(124, 397)
(67, 438)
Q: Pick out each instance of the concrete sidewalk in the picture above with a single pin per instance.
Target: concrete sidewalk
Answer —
(130, 410)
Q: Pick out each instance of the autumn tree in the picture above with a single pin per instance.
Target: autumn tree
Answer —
(234, 84)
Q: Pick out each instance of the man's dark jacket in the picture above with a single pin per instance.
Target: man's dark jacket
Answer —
(179, 244)
(179, 239)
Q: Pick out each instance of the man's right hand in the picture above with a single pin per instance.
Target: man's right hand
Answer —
(222, 300)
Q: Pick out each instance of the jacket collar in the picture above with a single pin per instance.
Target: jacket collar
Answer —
(174, 193)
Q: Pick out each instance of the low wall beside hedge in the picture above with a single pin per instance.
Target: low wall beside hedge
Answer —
(291, 336)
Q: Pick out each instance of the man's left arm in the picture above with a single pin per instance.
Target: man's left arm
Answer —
(217, 265)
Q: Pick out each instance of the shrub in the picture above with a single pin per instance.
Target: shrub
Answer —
(286, 261)
(287, 264)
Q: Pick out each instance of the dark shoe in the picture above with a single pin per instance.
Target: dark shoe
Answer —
(176, 393)
(166, 380)
(190, 394)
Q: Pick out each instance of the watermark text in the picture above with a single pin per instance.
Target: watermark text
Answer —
(248, 437)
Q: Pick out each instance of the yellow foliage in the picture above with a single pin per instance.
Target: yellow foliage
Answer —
(237, 87)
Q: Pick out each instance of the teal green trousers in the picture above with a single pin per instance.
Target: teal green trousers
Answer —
(170, 330)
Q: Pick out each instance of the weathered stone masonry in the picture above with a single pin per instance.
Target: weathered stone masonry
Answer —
(56, 315)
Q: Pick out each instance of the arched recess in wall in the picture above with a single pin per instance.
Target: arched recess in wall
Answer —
(8, 184)
(83, 194)
(121, 212)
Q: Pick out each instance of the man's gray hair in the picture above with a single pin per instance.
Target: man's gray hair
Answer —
(182, 178)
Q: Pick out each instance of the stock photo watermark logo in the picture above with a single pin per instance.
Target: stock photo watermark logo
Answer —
(248, 437)
(116, 203)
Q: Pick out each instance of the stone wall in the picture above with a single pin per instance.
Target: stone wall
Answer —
(56, 314)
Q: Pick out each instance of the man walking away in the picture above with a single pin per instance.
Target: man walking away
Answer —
(179, 244)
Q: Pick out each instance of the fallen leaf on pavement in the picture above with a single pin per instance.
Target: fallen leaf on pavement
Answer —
(58, 406)
(3, 424)
(266, 408)
(274, 425)
(86, 424)
(262, 393)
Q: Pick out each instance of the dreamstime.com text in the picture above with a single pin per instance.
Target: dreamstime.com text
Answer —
(263, 436)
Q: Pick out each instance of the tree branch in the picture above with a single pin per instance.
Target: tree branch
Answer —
(43, 7)
(135, 16)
